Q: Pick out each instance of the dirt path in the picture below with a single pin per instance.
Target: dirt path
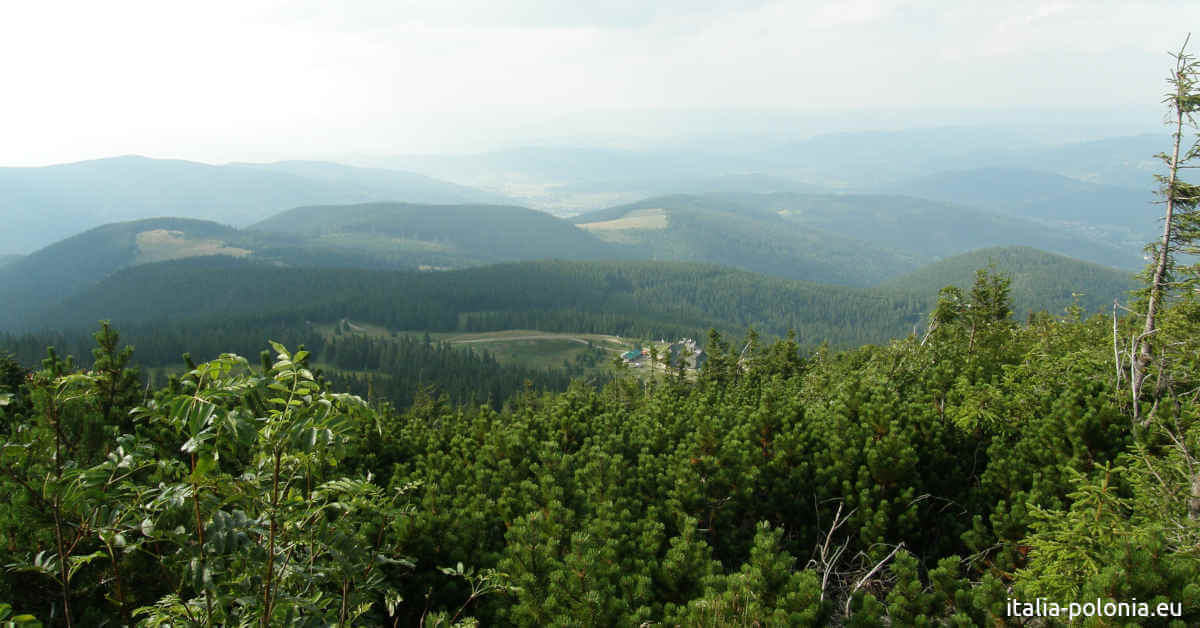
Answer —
(582, 341)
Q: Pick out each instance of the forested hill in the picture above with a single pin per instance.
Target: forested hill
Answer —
(381, 235)
(644, 299)
(1040, 280)
(35, 281)
(848, 239)
(723, 231)
(793, 236)
(456, 234)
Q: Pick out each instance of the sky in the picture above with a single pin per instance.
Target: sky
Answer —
(255, 80)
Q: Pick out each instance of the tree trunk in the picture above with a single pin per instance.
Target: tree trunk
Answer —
(1194, 502)
(1141, 361)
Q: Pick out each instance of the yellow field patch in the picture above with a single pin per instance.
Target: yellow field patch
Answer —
(641, 219)
(158, 245)
(621, 230)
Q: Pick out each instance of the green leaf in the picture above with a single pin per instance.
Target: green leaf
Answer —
(193, 444)
(75, 563)
(392, 600)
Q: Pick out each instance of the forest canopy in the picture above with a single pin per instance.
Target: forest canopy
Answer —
(933, 477)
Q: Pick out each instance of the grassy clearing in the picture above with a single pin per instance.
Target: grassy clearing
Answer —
(534, 353)
(636, 220)
(160, 245)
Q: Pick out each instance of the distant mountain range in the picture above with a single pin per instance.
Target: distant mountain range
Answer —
(1099, 191)
(833, 161)
(46, 204)
(564, 178)
(828, 239)
(877, 159)
(1124, 161)
(77, 224)
(1114, 214)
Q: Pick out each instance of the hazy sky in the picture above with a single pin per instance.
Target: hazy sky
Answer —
(225, 80)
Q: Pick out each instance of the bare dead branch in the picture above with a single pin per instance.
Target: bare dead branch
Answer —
(850, 595)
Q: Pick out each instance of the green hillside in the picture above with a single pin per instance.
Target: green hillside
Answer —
(640, 299)
(373, 236)
(719, 231)
(847, 239)
(437, 235)
(831, 239)
(1040, 280)
(64, 268)
(643, 299)
(851, 240)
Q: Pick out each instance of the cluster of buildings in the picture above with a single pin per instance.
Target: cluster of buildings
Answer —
(635, 357)
(684, 351)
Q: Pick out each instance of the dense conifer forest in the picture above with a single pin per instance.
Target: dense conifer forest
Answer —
(926, 480)
(643, 299)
